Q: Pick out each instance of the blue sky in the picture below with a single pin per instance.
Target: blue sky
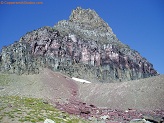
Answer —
(137, 23)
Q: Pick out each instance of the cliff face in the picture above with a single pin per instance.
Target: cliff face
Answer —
(83, 46)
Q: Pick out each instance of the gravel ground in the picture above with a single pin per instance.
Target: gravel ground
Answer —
(114, 100)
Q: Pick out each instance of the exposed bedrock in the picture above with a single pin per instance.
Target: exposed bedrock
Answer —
(83, 46)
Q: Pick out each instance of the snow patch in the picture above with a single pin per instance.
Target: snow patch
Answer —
(80, 80)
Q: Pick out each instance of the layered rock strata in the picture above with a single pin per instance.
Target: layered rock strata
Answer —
(83, 46)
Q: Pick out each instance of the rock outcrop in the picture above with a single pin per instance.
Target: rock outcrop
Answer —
(95, 114)
(83, 46)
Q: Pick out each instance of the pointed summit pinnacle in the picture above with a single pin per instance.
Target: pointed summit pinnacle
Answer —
(90, 18)
(86, 24)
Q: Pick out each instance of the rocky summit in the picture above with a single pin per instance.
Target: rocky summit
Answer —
(83, 46)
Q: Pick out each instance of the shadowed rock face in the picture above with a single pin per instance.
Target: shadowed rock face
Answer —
(83, 46)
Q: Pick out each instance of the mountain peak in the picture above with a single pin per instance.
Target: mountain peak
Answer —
(90, 18)
(83, 15)
(86, 24)
(83, 46)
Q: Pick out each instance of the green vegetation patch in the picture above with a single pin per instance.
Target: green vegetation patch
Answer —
(23, 109)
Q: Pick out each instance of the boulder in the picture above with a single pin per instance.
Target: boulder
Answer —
(49, 121)
(104, 117)
(138, 121)
(154, 119)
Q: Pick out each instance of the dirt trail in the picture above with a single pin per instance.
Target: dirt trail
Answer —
(58, 86)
